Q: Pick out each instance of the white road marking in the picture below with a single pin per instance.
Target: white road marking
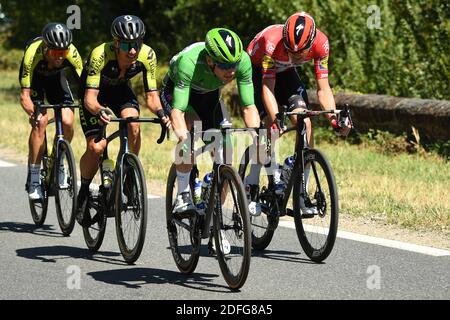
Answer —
(374, 240)
(4, 164)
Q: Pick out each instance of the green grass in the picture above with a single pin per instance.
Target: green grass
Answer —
(410, 190)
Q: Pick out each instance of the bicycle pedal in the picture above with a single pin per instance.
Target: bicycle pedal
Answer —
(308, 216)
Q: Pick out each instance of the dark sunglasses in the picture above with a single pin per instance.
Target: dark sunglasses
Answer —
(56, 53)
(227, 66)
(127, 46)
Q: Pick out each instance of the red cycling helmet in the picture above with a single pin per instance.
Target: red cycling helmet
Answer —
(299, 32)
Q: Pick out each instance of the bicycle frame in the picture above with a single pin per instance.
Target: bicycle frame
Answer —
(205, 223)
(122, 133)
(59, 134)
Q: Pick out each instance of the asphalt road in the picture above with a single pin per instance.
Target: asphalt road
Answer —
(42, 264)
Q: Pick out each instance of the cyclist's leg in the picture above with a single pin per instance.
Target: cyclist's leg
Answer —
(183, 156)
(58, 91)
(125, 100)
(291, 84)
(36, 141)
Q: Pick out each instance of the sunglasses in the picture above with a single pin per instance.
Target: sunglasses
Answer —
(227, 66)
(127, 46)
(57, 53)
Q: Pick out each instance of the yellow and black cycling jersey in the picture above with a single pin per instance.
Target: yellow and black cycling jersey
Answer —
(102, 68)
(33, 62)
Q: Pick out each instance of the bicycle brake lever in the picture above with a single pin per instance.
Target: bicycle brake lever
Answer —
(163, 133)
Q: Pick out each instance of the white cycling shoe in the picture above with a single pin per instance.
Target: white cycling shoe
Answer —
(35, 192)
(225, 244)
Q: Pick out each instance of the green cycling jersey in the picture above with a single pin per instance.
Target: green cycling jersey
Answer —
(189, 70)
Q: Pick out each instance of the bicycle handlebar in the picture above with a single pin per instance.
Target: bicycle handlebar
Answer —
(135, 119)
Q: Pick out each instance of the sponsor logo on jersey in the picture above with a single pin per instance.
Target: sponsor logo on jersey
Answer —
(270, 47)
(94, 66)
(326, 47)
(323, 64)
(267, 62)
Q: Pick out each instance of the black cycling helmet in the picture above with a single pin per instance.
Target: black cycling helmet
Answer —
(57, 36)
(128, 28)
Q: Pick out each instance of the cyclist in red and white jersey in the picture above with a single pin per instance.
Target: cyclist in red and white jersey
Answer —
(275, 53)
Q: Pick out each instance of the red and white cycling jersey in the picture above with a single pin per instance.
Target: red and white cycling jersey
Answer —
(267, 51)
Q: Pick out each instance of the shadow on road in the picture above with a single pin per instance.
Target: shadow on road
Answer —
(45, 230)
(137, 277)
(282, 255)
(55, 253)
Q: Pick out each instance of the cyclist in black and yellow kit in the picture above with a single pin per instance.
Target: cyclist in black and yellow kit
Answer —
(41, 75)
(106, 80)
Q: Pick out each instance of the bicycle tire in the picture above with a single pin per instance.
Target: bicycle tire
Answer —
(134, 188)
(238, 224)
(320, 253)
(186, 256)
(39, 208)
(259, 242)
(94, 234)
(65, 152)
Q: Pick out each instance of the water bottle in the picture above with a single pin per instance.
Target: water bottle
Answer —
(199, 203)
(108, 172)
(207, 180)
(287, 168)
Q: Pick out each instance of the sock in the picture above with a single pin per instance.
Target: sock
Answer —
(35, 170)
(183, 181)
(253, 176)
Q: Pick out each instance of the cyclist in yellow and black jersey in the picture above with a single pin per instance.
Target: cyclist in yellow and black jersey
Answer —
(106, 80)
(41, 76)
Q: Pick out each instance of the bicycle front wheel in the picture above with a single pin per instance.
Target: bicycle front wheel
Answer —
(38, 208)
(131, 208)
(317, 228)
(265, 224)
(232, 231)
(94, 234)
(184, 240)
(65, 184)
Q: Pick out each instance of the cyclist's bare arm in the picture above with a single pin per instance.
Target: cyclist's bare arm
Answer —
(326, 100)
(26, 102)
(91, 103)
(154, 105)
(325, 95)
(268, 98)
(251, 116)
(179, 124)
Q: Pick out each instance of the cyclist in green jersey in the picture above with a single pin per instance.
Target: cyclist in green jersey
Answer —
(191, 91)
(41, 76)
(106, 80)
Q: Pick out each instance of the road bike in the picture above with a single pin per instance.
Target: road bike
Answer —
(58, 174)
(226, 205)
(123, 195)
(315, 230)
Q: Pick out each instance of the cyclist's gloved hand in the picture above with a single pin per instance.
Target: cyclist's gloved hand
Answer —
(342, 126)
(165, 118)
(104, 115)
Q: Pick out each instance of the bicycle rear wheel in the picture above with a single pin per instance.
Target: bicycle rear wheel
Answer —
(316, 232)
(232, 231)
(131, 208)
(184, 240)
(264, 225)
(94, 234)
(38, 208)
(65, 184)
